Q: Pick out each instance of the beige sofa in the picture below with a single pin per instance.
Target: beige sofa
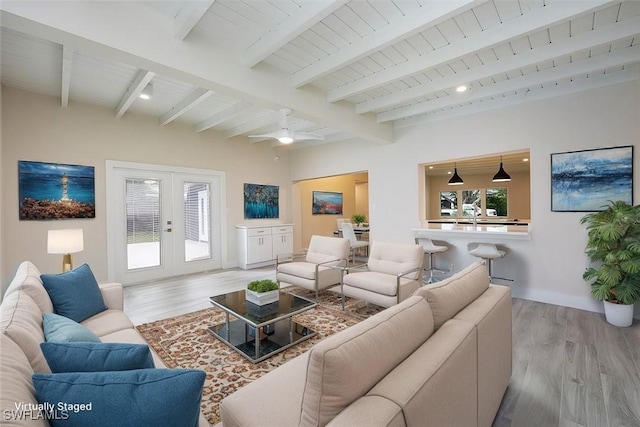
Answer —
(439, 358)
(21, 333)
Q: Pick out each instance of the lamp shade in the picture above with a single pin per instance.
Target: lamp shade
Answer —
(455, 179)
(502, 175)
(66, 241)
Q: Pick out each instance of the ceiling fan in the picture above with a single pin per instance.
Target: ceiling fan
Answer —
(286, 135)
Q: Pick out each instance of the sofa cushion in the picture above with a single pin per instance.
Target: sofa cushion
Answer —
(107, 322)
(75, 294)
(62, 329)
(451, 295)
(132, 336)
(345, 366)
(442, 370)
(370, 411)
(21, 320)
(17, 388)
(27, 279)
(96, 357)
(142, 397)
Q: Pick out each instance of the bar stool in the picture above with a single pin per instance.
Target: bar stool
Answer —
(488, 252)
(431, 248)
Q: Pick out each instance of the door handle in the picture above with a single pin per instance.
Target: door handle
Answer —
(168, 230)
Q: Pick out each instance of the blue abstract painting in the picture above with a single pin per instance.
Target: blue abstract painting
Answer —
(584, 181)
(261, 201)
(55, 191)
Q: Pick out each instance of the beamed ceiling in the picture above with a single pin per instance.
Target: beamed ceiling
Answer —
(347, 69)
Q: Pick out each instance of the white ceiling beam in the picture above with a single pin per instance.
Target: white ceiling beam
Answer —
(255, 123)
(195, 98)
(222, 116)
(601, 36)
(139, 83)
(534, 95)
(588, 65)
(310, 13)
(431, 13)
(67, 62)
(531, 22)
(190, 14)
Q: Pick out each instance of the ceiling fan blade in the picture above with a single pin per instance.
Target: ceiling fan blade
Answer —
(266, 135)
(303, 136)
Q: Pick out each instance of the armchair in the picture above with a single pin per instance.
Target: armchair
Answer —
(394, 272)
(314, 270)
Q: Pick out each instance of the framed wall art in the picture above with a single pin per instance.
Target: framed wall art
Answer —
(326, 203)
(261, 201)
(584, 181)
(55, 191)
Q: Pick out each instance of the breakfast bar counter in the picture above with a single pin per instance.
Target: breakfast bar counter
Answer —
(490, 232)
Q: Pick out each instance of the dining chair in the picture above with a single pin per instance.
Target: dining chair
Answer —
(349, 234)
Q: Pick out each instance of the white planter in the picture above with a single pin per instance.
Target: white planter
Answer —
(618, 314)
(263, 297)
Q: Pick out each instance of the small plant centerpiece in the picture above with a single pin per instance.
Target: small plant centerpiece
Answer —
(358, 219)
(614, 246)
(261, 292)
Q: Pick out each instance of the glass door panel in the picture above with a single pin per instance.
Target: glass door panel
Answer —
(143, 234)
(196, 221)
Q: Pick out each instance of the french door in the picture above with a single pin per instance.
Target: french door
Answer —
(162, 221)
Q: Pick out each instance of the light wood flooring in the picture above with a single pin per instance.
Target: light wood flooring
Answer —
(570, 367)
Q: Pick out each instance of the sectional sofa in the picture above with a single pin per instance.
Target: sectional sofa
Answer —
(440, 358)
(21, 332)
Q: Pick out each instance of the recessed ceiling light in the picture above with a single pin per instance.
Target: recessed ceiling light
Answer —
(525, 160)
(448, 172)
(430, 167)
(461, 88)
(147, 92)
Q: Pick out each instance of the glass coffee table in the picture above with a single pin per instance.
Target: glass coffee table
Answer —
(272, 324)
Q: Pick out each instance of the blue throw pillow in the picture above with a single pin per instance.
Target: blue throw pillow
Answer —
(96, 357)
(61, 329)
(74, 294)
(143, 397)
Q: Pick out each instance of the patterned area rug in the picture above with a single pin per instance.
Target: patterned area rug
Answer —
(185, 342)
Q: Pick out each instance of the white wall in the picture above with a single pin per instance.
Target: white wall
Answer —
(548, 267)
(36, 128)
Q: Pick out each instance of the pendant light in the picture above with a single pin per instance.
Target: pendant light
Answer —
(455, 179)
(502, 175)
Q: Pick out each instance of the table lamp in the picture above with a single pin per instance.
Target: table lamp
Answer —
(65, 242)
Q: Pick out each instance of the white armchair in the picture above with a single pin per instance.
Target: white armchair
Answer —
(394, 272)
(315, 269)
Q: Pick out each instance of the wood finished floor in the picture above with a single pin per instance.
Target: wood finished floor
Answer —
(570, 367)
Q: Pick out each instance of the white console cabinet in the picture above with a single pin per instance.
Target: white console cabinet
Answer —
(259, 246)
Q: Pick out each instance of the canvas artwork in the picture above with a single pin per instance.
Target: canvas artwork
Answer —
(584, 181)
(261, 201)
(327, 203)
(55, 191)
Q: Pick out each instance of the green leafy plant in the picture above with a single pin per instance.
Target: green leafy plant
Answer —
(261, 286)
(614, 245)
(358, 218)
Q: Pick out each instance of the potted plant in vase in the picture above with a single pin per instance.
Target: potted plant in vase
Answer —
(261, 292)
(614, 245)
(358, 219)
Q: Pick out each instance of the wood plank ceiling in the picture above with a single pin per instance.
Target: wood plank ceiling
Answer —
(348, 69)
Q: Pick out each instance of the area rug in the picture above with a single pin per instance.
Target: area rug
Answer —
(185, 342)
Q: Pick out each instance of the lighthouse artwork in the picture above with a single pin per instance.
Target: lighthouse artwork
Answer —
(55, 191)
